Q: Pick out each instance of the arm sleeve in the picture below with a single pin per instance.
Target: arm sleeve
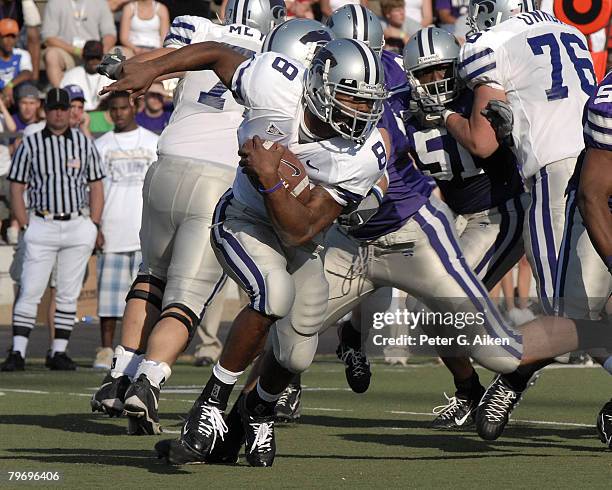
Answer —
(20, 164)
(183, 29)
(107, 22)
(95, 170)
(598, 126)
(479, 64)
(50, 25)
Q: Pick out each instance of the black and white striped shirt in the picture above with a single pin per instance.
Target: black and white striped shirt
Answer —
(56, 170)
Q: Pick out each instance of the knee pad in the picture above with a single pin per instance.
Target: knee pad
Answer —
(292, 350)
(147, 296)
(189, 319)
(498, 361)
(280, 292)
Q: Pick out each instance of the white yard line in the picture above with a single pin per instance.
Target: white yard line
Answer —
(314, 409)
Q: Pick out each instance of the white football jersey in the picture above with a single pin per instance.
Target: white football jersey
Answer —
(205, 117)
(271, 88)
(546, 70)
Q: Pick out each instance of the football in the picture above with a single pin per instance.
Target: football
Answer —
(293, 174)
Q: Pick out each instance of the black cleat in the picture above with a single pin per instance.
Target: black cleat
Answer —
(604, 424)
(61, 362)
(288, 407)
(227, 450)
(13, 362)
(458, 413)
(110, 397)
(203, 430)
(175, 452)
(141, 404)
(260, 447)
(357, 367)
(494, 409)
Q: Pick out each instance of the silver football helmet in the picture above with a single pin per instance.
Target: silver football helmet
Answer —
(349, 67)
(432, 47)
(263, 15)
(357, 22)
(299, 39)
(484, 14)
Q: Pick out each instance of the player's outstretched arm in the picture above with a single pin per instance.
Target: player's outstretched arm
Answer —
(475, 133)
(295, 223)
(138, 77)
(593, 193)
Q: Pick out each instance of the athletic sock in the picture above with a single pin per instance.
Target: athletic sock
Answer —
(518, 379)
(296, 380)
(156, 372)
(58, 345)
(219, 387)
(20, 344)
(22, 327)
(64, 323)
(260, 402)
(469, 388)
(349, 335)
(593, 334)
(125, 362)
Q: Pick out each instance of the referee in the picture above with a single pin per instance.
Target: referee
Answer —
(55, 165)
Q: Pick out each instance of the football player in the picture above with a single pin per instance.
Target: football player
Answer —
(180, 273)
(593, 198)
(487, 192)
(543, 69)
(264, 238)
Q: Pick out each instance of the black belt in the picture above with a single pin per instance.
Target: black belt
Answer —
(57, 217)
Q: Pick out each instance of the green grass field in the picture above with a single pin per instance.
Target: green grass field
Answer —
(380, 439)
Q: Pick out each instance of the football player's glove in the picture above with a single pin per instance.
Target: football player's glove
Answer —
(111, 65)
(499, 114)
(366, 209)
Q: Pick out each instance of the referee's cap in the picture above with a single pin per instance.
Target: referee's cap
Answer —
(57, 98)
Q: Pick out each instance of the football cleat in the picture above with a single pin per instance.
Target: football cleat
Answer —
(175, 452)
(61, 362)
(141, 404)
(604, 424)
(260, 447)
(13, 362)
(456, 414)
(226, 450)
(288, 407)
(357, 367)
(495, 407)
(203, 429)
(110, 397)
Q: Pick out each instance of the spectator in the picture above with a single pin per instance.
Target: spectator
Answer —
(66, 28)
(127, 153)
(87, 77)
(419, 14)
(15, 63)
(144, 25)
(154, 116)
(28, 103)
(300, 9)
(57, 228)
(329, 6)
(452, 16)
(27, 15)
(394, 13)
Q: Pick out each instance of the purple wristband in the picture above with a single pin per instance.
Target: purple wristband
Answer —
(272, 189)
(609, 262)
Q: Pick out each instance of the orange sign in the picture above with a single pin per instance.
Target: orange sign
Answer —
(587, 15)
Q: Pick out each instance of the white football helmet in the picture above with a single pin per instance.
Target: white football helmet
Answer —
(299, 39)
(484, 14)
(357, 22)
(346, 66)
(263, 15)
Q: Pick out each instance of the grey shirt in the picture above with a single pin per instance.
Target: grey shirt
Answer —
(77, 21)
